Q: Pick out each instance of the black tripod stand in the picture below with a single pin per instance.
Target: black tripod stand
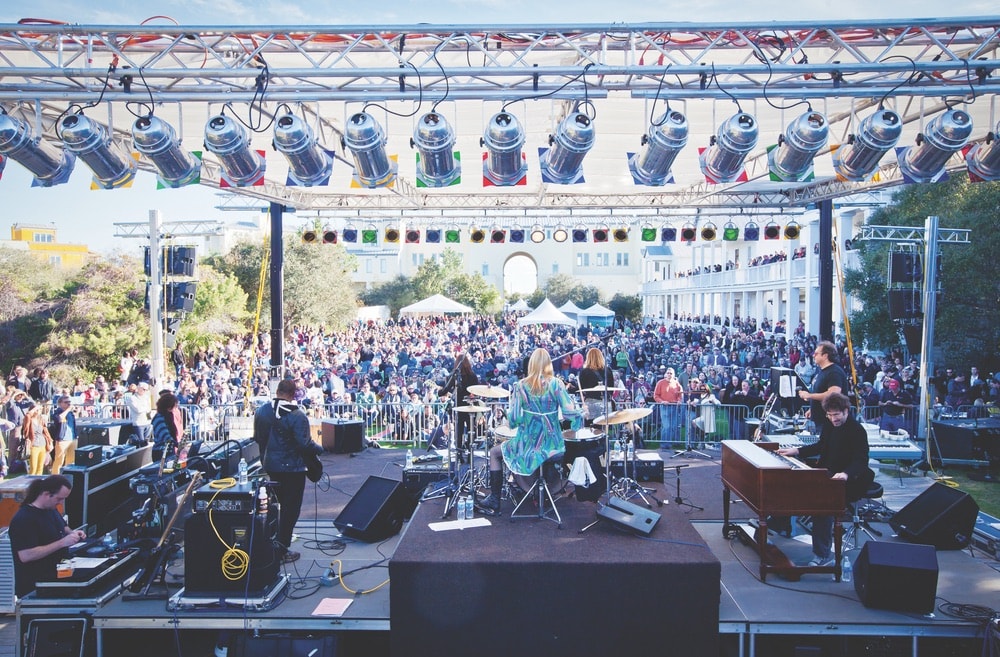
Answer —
(678, 499)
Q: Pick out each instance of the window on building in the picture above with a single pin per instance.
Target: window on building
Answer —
(44, 238)
(55, 260)
(555, 267)
(602, 259)
(583, 259)
(486, 270)
(383, 265)
(368, 265)
(621, 259)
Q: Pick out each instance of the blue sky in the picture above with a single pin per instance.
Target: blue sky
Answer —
(84, 216)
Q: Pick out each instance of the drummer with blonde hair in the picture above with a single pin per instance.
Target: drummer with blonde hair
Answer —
(535, 406)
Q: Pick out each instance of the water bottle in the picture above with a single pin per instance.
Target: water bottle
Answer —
(409, 458)
(262, 501)
(470, 508)
(461, 508)
(630, 449)
(846, 570)
(244, 479)
(109, 543)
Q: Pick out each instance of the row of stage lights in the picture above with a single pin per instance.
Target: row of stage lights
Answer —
(687, 233)
(310, 164)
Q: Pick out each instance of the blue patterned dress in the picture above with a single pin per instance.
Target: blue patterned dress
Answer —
(536, 418)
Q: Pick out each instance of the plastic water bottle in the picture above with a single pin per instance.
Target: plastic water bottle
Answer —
(846, 570)
(109, 543)
(630, 449)
(409, 458)
(262, 501)
(470, 508)
(244, 478)
(461, 508)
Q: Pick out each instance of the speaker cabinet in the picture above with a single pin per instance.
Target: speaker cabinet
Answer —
(203, 553)
(897, 576)
(629, 516)
(342, 436)
(376, 511)
(88, 456)
(941, 516)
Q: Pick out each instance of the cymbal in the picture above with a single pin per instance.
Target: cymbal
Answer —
(602, 389)
(472, 409)
(623, 416)
(489, 391)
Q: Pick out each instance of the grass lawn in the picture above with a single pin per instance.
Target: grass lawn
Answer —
(985, 493)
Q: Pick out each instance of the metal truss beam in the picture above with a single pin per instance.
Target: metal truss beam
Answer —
(913, 234)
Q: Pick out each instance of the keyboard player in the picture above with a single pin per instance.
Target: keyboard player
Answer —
(842, 449)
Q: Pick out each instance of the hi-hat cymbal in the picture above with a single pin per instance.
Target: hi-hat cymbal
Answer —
(623, 416)
(472, 409)
(489, 391)
(603, 389)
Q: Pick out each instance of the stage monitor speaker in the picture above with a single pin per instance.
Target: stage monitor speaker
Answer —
(897, 576)
(376, 511)
(941, 516)
(88, 456)
(342, 436)
(203, 553)
(629, 516)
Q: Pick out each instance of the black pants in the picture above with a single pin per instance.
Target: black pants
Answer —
(291, 487)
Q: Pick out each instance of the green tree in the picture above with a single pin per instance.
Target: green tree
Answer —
(628, 306)
(220, 309)
(29, 288)
(560, 288)
(967, 329)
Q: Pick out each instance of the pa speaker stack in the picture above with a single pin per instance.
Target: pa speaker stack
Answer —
(940, 516)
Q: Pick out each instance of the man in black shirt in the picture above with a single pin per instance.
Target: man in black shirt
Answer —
(39, 537)
(830, 379)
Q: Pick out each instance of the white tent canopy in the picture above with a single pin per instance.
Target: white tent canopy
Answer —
(435, 305)
(571, 308)
(597, 310)
(520, 306)
(545, 313)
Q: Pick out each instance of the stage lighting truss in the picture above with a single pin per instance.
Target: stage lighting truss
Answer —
(708, 232)
(688, 232)
(946, 134)
(537, 234)
(661, 145)
(751, 232)
(984, 158)
(308, 163)
(91, 142)
(228, 140)
(433, 235)
(730, 232)
(723, 160)
(391, 235)
(412, 236)
(50, 165)
(647, 234)
(600, 235)
(574, 137)
(157, 140)
(477, 235)
(366, 140)
(560, 234)
(579, 235)
(621, 234)
(802, 139)
(498, 236)
(433, 138)
(503, 140)
(877, 134)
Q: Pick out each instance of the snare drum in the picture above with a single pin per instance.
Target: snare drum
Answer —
(501, 433)
(584, 442)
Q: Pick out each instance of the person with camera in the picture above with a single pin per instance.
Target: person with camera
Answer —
(62, 428)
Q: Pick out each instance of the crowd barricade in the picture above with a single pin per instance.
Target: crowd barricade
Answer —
(683, 423)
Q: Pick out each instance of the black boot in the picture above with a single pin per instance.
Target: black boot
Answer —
(491, 505)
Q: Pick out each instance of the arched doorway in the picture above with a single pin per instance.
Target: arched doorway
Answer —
(520, 274)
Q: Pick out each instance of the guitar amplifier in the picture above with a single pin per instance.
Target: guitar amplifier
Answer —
(648, 467)
(419, 475)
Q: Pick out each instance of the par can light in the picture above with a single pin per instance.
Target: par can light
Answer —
(91, 142)
(365, 139)
(877, 134)
(229, 141)
(156, 139)
(434, 139)
(503, 140)
(308, 163)
(984, 159)
(947, 133)
(574, 138)
(723, 160)
(50, 165)
(662, 144)
(803, 138)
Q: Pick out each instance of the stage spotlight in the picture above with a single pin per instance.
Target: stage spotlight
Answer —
(329, 236)
(560, 234)
(228, 140)
(621, 234)
(156, 139)
(878, 133)
(434, 139)
(412, 236)
(391, 235)
(708, 232)
(579, 235)
(308, 163)
(365, 139)
(517, 235)
(498, 236)
(803, 138)
(351, 235)
(600, 234)
(50, 165)
(91, 143)
(648, 234)
(665, 139)
(369, 236)
(310, 236)
(792, 230)
(537, 235)
(772, 231)
(503, 140)
(477, 235)
(751, 232)
(984, 159)
(452, 236)
(574, 137)
(433, 235)
(668, 234)
(730, 232)
(687, 233)
(947, 133)
(723, 160)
